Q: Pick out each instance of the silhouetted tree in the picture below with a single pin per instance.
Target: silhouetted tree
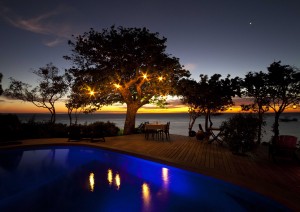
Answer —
(1, 90)
(209, 96)
(283, 86)
(255, 86)
(126, 65)
(189, 90)
(78, 99)
(51, 87)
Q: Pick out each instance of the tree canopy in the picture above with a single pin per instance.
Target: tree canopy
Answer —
(209, 95)
(277, 89)
(126, 65)
(255, 87)
(51, 87)
(283, 87)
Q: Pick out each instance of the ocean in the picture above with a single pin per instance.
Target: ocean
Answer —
(179, 122)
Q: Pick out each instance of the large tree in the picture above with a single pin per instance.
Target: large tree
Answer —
(283, 84)
(209, 95)
(126, 65)
(255, 87)
(51, 87)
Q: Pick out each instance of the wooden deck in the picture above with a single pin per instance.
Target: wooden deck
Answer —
(280, 181)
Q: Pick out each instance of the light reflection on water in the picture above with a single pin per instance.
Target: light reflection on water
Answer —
(92, 181)
(118, 181)
(110, 176)
(146, 196)
(57, 178)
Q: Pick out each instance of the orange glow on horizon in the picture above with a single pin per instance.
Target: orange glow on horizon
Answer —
(17, 106)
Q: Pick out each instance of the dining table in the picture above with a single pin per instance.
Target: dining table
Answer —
(154, 129)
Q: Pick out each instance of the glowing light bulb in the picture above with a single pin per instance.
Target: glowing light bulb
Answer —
(92, 93)
(117, 86)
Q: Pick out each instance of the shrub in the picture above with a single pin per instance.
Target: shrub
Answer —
(10, 127)
(240, 132)
(104, 128)
(93, 130)
(33, 129)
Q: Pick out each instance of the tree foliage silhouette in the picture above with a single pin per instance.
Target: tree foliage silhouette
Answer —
(51, 87)
(255, 87)
(125, 65)
(283, 87)
(209, 95)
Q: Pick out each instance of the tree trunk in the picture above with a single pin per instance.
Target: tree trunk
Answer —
(191, 124)
(52, 119)
(276, 125)
(207, 120)
(129, 125)
(70, 114)
(260, 122)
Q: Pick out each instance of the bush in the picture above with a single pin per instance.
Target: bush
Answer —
(105, 128)
(93, 130)
(33, 129)
(240, 132)
(10, 127)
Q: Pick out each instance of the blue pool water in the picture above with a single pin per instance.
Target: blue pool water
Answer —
(64, 178)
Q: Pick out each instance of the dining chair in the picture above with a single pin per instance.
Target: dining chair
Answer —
(166, 131)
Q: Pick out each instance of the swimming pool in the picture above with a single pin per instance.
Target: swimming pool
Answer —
(75, 178)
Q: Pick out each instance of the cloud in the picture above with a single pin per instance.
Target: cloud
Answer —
(43, 24)
(175, 103)
(190, 66)
(55, 42)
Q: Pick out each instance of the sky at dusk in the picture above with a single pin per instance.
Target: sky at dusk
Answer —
(208, 36)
